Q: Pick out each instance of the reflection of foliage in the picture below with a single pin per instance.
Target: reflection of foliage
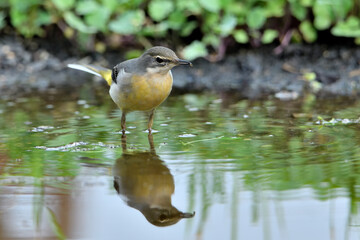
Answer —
(285, 156)
(254, 138)
(206, 22)
(37, 146)
(270, 151)
(284, 153)
(258, 144)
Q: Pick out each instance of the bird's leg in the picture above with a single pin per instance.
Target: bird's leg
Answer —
(123, 120)
(151, 143)
(151, 120)
(123, 143)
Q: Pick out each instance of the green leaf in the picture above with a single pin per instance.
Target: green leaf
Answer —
(63, 5)
(211, 39)
(86, 7)
(349, 28)
(241, 36)
(23, 6)
(99, 18)
(188, 28)
(192, 7)
(195, 50)
(323, 16)
(129, 22)
(176, 20)
(340, 8)
(160, 9)
(256, 18)
(155, 30)
(227, 25)
(269, 36)
(298, 10)
(17, 18)
(43, 18)
(210, 5)
(76, 23)
(308, 31)
(275, 8)
(28, 21)
(307, 3)
(236, 8)
(110, 4)
(211, 21)
(225, 3)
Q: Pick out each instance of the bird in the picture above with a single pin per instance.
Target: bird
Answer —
(139, 84)
(145, 183)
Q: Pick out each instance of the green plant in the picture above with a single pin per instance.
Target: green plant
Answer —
(200, 25)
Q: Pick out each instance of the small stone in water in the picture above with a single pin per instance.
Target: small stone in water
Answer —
(81, 102)
(286, 95)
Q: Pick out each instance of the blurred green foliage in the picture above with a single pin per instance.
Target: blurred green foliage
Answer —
(207, 22)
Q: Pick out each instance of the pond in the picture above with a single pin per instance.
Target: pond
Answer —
(215, 168)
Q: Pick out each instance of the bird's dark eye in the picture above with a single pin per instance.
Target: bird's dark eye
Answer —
(162, 217)
(159, 60)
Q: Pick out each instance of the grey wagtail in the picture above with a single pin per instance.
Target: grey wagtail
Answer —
(139, 84)
(145, 183)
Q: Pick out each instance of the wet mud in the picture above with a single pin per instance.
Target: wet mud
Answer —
(327, 71)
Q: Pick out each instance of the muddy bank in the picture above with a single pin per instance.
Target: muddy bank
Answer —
(327, 71)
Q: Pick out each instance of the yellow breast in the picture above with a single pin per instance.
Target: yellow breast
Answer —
(144, 92)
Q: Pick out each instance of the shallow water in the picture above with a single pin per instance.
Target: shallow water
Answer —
(248, 169)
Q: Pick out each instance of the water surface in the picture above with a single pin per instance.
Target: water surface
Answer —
(248, 169)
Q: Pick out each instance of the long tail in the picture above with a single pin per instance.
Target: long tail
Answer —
(98, 71)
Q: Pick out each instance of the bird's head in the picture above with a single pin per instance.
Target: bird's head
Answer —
(161, 60)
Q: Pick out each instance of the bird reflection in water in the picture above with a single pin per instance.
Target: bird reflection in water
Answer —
(146, 184)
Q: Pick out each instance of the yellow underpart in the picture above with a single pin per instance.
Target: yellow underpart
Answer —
(146, 92)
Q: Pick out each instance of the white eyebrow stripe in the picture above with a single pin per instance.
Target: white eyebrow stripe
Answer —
(164, 58)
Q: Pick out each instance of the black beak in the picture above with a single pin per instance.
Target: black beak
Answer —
(187, 215)
(183, 62)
